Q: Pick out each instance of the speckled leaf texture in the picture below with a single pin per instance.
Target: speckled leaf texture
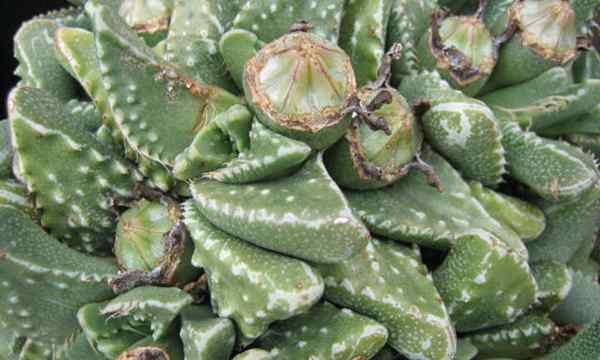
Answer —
(6, 150)
(363, 36)
(582, 305)
(526, 219)
(433, 218)
(304, 215)
(466, 132)
(484, 283)
(158, 306)
(523, 339)
(193, 42)
(205, 336)
(14, 194)
(250, 285)
(554, 282)
(570, 225)
(409, 20)
(554, 170)
(270, 156)
(387, 284)
(462, 129)
(144, 91)
(270, 19)
(325, 332)
(43, 282)
(88, 177)
(34, 48)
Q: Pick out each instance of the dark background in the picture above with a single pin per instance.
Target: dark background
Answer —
(13, 13)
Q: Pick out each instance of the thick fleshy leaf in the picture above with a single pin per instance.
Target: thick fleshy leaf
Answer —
(6, 150)
(157, 306)
(325, 332)
(570, 225)
(217, 142)
(409, 20)
(363, 36)
(383, 282)
(270, 156)
(15, 194)
(251, 285)
(484, 283)
(583, 346)
(414, 211)
(272, 19)
(110, 336)
(554, 281)
(526, 219)
(78, 349)
(38, 67)
(465, 131)
(205, 336)
(158, 109)
(75, 193)
(582, 305)
(523, 339)
(304, 215)
(552, 169)
(43, 282)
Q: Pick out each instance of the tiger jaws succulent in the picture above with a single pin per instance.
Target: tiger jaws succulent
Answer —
(290, 179)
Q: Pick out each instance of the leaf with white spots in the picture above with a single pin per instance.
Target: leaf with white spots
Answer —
(414, 211)
(73, 176)
(270, 156)
(43, 283)
(38, 67)
(325, 332)
(250, 285)
(386, 283)
(158, 108)
(6, 150)
(270, 19)
(205, 336)
(554, 281)
(363, 36)
(304, 215)
(526, 219)
(156, 306)
(409, 20)
(465, 131)
(484, 283)
(571, 225)
(552, 169)
(523, 339)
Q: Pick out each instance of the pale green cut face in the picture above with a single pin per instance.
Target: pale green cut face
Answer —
(470, 36)
(319, 80)
(549, 27)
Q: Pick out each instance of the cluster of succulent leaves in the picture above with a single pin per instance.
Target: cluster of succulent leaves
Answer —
(291, 179)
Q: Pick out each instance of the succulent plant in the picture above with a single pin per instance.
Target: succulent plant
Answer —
(287, 179)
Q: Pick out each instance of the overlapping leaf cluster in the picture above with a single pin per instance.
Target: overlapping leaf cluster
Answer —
(287, 179)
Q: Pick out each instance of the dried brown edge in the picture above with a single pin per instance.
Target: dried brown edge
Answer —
(298, 122)
(145, 353)
(530, 40)
(153, 25)
(451, 59)
(365, 169)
